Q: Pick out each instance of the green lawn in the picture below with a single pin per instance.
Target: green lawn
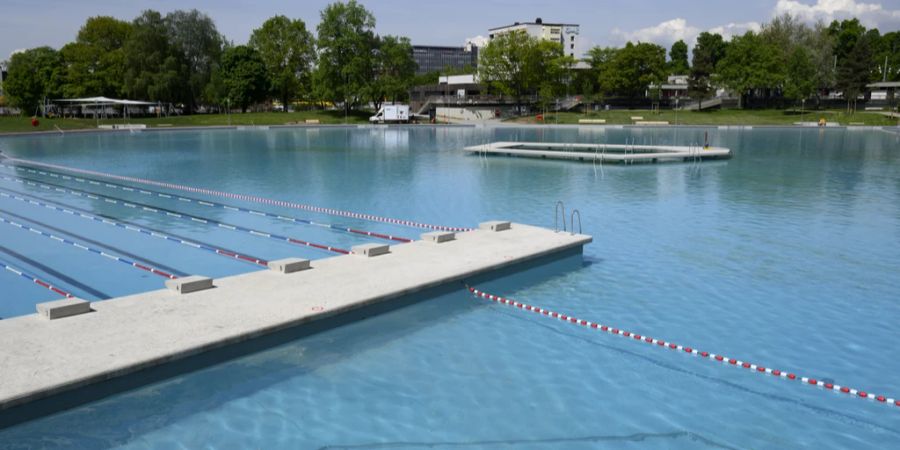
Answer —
(720, 117)
(23, 124)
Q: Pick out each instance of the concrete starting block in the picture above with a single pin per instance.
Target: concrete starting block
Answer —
(63, 308)
(495, 225)
(189, 284)
(371, 250)
(289, 265)
(438, 237)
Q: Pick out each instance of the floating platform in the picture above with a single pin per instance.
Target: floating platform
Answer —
(40, 357)
(604, 153)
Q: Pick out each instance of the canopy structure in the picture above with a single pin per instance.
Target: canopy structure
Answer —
(104, 101)
(100, 105)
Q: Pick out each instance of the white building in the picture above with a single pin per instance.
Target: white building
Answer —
(567, 34)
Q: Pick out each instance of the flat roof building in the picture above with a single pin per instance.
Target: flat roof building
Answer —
(434, 58)
(567, 34)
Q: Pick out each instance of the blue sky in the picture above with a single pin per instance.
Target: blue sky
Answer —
(26, 24)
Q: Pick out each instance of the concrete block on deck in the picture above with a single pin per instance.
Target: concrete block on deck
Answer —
(63, 308)
(370, 250)
(438, 237)
(189, 284)
(289, 265)
(495, 225)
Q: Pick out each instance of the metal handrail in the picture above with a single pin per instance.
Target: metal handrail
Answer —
(556, 216)
(572, 221)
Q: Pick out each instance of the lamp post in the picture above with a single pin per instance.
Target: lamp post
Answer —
(802, 108)
(676, 110)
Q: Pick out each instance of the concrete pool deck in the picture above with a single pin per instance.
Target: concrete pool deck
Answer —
(40, 358)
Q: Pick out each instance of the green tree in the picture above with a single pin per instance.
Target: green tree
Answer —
(154, 68)
(750, 63)
(32, 76)
(856, 69)
(633, 68)
(346, 42)
(800, 75)
(678, 59)
(95, 62)
(243, 76)
(196, 41)
(708, 51)
(504, 64)
(395, 70)
(288, 51)
(600, 60)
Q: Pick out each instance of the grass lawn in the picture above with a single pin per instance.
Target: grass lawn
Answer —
(719, 117)
(23, 124)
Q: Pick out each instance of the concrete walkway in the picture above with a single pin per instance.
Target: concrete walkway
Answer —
(41, 357)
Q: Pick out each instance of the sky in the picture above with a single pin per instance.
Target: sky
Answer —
(26, 24)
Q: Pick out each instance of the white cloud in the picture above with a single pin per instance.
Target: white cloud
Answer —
(665, 33)
(735, 29)
(870, 14)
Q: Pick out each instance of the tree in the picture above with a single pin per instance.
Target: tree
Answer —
(855, 71)
(195, 39)
(600, 59)
(33, 75)
(709, 50)
(154, 68)
(504, 63)
(95, 62)
(287, 50)
(800, 75)
(346, 41)
(633, 68)
(395, 70)
(750, 63)
(243, 76)
(678, 58)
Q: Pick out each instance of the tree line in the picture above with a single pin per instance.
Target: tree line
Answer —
(785, 59)
(181, 58)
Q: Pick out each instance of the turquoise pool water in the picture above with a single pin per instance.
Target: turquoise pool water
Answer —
(786, 255)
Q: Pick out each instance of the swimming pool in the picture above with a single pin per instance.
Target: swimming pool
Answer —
(786, 255)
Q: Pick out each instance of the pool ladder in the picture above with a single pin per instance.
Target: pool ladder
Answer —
(561, 207)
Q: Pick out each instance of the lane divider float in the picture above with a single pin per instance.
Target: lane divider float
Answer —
(177, 215)
(35, 279)
(81, 246)
(657, 343)
(136, 228)
(210, 204)
(243, 197)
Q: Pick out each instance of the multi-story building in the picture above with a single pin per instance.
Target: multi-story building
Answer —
(2, 76)
(567, 34)
(432, 58)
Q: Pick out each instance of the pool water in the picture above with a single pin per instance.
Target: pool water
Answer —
(787, 255)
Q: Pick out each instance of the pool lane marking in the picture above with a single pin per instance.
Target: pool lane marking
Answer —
(657, 343)
(54, 273)
(81, 246)
(109, 247)
(244, 197)
(132, 227)
(296, 220)
(175, 214)
(35, 279)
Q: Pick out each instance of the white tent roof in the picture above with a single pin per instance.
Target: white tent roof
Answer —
(105, 101)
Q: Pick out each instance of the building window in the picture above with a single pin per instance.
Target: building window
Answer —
(572, 46)
(572, 38)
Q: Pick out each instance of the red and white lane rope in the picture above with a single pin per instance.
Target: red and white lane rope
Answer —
(244, 197)
(35, 280)
(132, 227)
(210, 204)
(178, 215)
(658, 343)
(81, 246)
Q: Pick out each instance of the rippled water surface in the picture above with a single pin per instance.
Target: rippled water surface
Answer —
(787, 255)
